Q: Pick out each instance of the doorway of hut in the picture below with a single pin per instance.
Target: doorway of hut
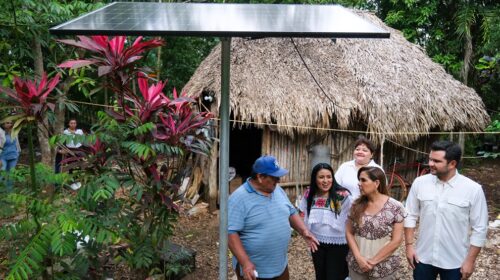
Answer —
(245, 147)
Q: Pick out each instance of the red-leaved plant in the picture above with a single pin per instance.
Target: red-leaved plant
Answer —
(29, 100)
(113, 59)
(141, 147)
(178, 119)
(110, 54)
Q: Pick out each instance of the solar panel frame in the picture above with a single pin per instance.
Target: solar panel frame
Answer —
(221, 20)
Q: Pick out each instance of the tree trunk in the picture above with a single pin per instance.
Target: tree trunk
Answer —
(467, 58)
(60, 111)
(42, 131)
(468, 52)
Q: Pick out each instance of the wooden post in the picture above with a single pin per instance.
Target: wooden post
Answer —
(381, 163)
(266, 141)
(213, 185)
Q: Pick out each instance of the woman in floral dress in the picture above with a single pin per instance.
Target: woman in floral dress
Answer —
(325, 207)
(374, 229)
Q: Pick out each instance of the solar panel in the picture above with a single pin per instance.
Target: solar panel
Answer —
(221, 20)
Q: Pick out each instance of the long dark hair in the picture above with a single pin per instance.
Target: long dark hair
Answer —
(332, 193)
(360, 204)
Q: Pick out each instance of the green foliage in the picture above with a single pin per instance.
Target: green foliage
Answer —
(175, 269)
(144, 129)
(25, 24)
(7, 74)
(181, 56)
(435, 24)
(30, 260)
(24, 20)
(494, 126)
(48, 226)
(108, 186)
(131, 166)
(488, 80)
(490, 141)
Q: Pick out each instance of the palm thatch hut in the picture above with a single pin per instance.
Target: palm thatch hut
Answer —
(290, 93)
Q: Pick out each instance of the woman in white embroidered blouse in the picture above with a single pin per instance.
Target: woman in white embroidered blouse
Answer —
(325, 206)
(374, 229)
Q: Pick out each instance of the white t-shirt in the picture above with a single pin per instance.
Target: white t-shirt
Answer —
(347, 176)
(72, 144)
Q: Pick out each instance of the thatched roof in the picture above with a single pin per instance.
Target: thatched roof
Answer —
(388, 84)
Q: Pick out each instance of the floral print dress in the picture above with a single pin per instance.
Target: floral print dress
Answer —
(373, 233)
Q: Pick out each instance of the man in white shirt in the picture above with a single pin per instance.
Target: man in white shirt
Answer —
(448, 206)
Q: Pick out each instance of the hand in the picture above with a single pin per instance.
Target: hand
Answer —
(249, 271)
(467, 269)
(411, 256)
(371, 262)
(364, 264)
(311, 240)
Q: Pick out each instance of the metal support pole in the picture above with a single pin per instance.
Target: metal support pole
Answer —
(224, 156)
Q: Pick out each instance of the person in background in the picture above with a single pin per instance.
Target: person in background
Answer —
(346, 175)
(9, 150)
(453, 218)
(374, 229)
(325, 207)
(259, 219)
(71, 130)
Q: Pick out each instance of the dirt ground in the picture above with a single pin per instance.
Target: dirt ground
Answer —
(201, 233)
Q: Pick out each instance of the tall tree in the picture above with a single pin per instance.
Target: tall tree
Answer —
(27, 48)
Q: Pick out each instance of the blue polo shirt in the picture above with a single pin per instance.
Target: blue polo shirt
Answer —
(263, 225)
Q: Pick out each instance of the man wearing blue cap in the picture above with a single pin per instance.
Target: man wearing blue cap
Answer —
(260, 216)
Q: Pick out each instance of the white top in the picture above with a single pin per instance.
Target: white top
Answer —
(72, 144)
(347, 176)
(2, 138)
(327, 227)
(447, 211)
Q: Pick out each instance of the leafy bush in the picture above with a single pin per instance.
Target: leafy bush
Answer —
(129, 169)
(133, 163)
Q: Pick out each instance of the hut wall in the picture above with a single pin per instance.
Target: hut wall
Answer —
(294, 154)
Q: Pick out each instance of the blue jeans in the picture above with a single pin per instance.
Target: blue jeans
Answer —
(424, 271)
(7, 165)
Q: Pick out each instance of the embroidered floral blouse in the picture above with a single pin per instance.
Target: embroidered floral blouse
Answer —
(374, 232)
(327, 227)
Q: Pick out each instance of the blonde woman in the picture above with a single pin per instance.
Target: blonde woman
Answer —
(9, 150)
(374, 229)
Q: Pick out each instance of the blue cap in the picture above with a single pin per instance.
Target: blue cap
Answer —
(268, 165)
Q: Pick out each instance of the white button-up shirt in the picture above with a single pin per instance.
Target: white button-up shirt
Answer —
(447, 212)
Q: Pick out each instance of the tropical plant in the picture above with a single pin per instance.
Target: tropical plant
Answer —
(133, 162)
(29, 100)
(44, 233)
(29, 104)
(129, 169)
(27, 49)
